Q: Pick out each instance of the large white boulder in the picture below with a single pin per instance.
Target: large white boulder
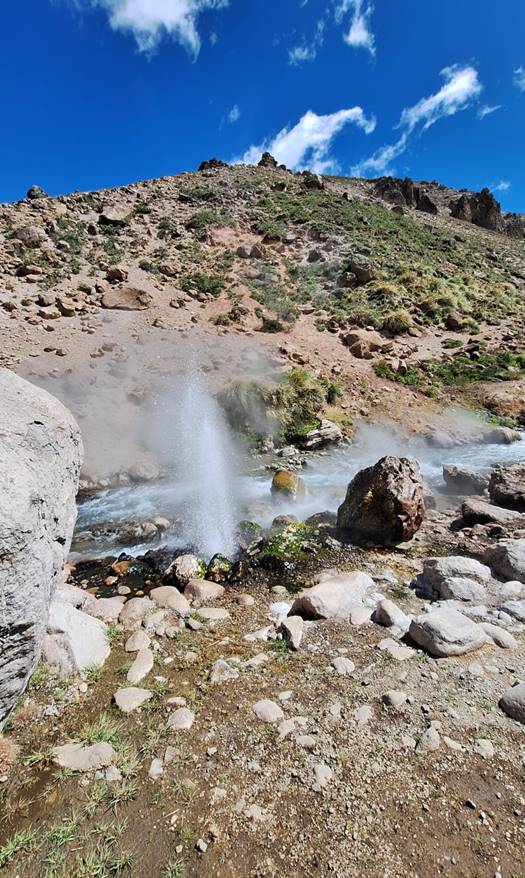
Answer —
(74, 640)
(336, 596)
(40, 459)
(507, 559)
(446, 632)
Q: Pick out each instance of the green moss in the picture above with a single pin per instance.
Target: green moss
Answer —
(287, 544)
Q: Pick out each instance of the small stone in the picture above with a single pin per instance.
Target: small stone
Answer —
(484, 747)
(245, 600)
(156, 769)
(201, 846)
(395, 698)
(429, 741)
(222, 672)
(141, 666)
(131, 698)
(139, 640)
(268, 711)
(181, 720)
(343, 666)
(292, 630)
(214, 614)
(363, 715)
(513, 702)
(323, 775)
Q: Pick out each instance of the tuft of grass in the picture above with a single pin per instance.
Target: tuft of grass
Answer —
(105, 728)
(21, 842)
(173, 869)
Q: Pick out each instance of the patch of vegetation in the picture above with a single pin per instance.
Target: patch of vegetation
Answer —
(21, 842)
(105, 728)
(460, 371)
(287, 544)
(201, 282)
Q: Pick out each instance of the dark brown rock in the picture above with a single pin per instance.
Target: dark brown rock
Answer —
(507, 487)
(384, 503)
(480, 208)
(267, 161)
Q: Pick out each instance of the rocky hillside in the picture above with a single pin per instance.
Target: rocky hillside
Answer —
(400, 292)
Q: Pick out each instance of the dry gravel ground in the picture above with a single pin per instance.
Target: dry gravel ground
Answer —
(241, 797)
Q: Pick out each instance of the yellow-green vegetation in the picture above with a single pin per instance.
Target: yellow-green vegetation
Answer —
(432, 375)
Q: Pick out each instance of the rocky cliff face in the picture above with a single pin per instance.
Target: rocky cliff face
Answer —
(40, 458)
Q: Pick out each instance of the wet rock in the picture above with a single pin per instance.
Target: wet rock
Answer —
(170, 598)
(446, 632)
(502, 436)
(77, 757)
(131, 698)
(201, 591)
(219, 569)
(141, 667)
(321, 519)
(507, 559)
(292, 629)
(335, 596)
(476, 511)
(40, 457)
(513, 702)
(464, 481)
(282, 521)
(287, 484)
(181, 720)
(268, 711)
(384, 503)
(507, 487)
(74, 641)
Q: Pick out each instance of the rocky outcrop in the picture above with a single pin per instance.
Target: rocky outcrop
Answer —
(384, 503)
(212, 165)
(480, 208)
(267, 161)
(327, 433)
(507, 487)
(40, 458)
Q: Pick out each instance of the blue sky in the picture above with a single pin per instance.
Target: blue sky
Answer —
(101, 93)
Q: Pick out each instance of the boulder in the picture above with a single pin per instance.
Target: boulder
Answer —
(476, 511)
(507, 487)
(78, 757)
(184, 569)
(114, 216)
(202, 591)
(464, 481)
(507, 559)
(446, 632)
(384, 503)
(126, 299)
(454, 578)
(268, 711)
(512, 702)
(212, 165)
(35, 192)
(426, 204)
(327, 434)
(31, 236)
(169, 597)
(40, 458)
(335, 596)
(287, 484)
(74, 641)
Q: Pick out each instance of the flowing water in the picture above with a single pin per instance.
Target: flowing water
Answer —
(209, 492)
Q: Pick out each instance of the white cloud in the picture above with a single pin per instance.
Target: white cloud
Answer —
(234, 115)
(487, 109)
(359, 34)
(502, 186)
(308, 51)
(519, 78)
(461, 88)
(149, 21)
(308, 143)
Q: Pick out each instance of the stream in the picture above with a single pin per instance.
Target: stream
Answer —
(326, 475)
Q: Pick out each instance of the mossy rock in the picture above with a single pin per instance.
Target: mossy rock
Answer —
(293, 543)
(219, 569)
(287, 484)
